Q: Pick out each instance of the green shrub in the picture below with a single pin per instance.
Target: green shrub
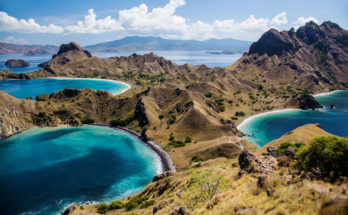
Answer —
(196, 158)
(177, 143)
(87, 120)
(172, 119)
(286, 145)
(131, 205)
(160, 116)
(329, 154)
(78, 115)
(61, 112)
(102, 208)
(116, 205)
(147, 203)
(122, 122)
(188, 139)
(240, 113)
(171, 137)
(208, 95)
(234, 117)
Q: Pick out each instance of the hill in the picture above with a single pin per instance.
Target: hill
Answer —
(135, 43)
(8, 48)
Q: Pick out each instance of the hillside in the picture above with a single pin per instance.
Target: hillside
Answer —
(200, 102)
(135, 43)
(266, 185)
(8, 48)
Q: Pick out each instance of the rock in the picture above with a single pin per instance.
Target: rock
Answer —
(162, 176)
(290, 152)
(183, 211)
(65, 93)
(306, 102)
(70, 47)
(70, 209)
(272, 151)
(284, 160)
(16, 63)
(249, 162)
(261, 181)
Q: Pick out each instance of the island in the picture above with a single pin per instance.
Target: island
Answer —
(16, 63)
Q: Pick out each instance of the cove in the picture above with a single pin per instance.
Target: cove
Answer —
(43, 170)
(264, 128)
(35, 87)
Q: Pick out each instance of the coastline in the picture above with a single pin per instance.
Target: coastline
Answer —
(128, 86)
(327, 93)
(166, 162)
(248, 119)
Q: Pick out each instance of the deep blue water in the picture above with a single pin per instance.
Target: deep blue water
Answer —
(182, 57)
(42, 170)
(34, 87)
(266, 128)
(34, 61)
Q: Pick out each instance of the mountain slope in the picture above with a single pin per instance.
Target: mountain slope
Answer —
(8, 48)
(136, 43)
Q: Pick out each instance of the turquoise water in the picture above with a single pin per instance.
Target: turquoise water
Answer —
(42, 170)
(266, 128)
(34, 87)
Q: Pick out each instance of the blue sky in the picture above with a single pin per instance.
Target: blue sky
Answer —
(90, 21)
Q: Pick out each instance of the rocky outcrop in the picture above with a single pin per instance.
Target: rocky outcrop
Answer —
(306, 102)
(70, 209)
(16, 63)
(63, 94)
(162, 176)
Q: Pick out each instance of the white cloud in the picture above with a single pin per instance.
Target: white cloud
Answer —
(12, 24)
(160, 21)
(303, 20)
(92, 25)
(12, 39)
(279, 19)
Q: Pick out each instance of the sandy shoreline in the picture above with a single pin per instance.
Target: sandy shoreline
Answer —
(166, 162)
(248, 119)
(128, 86)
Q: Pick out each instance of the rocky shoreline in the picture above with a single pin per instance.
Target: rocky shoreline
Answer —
(166, 162)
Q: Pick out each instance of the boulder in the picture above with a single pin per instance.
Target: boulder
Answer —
(290, 152)
(70, 209)
(272, 151)
(249, 162)
(16, 63)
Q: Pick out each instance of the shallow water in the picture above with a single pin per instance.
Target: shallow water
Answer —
(34, 87)
(42, 170)
(266, 128)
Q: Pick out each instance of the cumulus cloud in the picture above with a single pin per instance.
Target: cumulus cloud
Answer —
(303, 20)
(92, 25)
(279, 19)
(12, 39)
(12, 24)
(160, 21)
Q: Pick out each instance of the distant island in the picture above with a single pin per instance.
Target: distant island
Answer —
(135, 43)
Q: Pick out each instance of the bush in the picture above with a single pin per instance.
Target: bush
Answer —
(196, 158)
(188, 139)
(171, 137)
(329, 154)
(122, 122)
(161, 116)
(234, 117)
(102, 208)
(61, 112)
(131, 205)
(240, 113)
(87, 120)
(116, 205)
(171, 120)
(208, 95)
(286, 145)
(147, 204)
(177, 143)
